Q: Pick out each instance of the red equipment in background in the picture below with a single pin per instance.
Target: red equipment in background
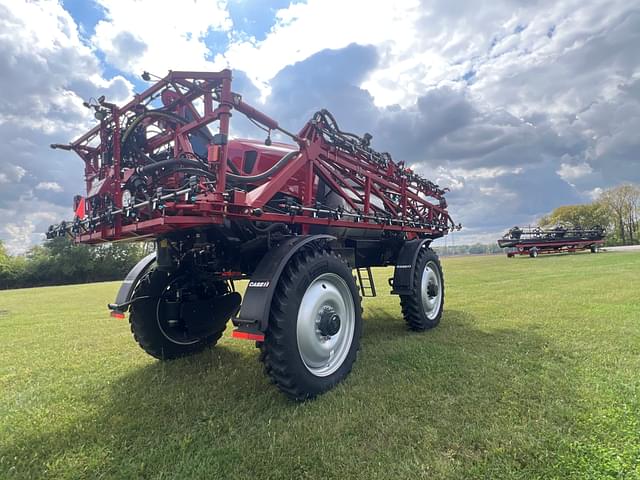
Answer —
(295, 219)
(560, 239)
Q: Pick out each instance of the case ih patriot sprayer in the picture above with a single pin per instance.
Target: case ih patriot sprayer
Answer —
(293, 219)
(534, 241)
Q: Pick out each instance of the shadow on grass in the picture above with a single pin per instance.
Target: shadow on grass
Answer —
(473, 390)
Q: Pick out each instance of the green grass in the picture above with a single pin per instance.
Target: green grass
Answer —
(534, 372)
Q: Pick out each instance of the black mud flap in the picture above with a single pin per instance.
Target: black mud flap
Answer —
(403, 275)
(253, 319)
(123, 299)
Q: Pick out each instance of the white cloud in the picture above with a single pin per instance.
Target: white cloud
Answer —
(595, 193)
(570, 173)
(303, 29)
(10, 172)
(486, 172)
(47, 71)
(53, 186)
(22, 228)
(158, 35)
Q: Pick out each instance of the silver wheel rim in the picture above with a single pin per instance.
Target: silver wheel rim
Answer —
(431, 290)
(323, 354)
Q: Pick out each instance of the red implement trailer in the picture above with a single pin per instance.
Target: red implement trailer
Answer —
(294, 219)
(534, 241)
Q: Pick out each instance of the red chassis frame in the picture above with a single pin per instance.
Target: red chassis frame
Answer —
(352, 175)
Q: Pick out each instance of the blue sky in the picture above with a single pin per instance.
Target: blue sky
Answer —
(518, 107)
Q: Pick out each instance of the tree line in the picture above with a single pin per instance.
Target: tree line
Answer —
(617, 209)
(59, 261)
(473, 249)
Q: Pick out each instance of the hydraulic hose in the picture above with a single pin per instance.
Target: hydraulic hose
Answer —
(151, 113)
(233, 168)
(190, 171)
(170, 163)
(264, 175)
(269, 228)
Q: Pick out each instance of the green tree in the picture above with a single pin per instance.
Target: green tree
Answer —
(11, 268)
(60, 261)
(583, 215)
(623, 204)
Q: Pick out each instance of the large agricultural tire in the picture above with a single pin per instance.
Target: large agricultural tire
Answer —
(423, 309)
(151, 326)
(315, 324)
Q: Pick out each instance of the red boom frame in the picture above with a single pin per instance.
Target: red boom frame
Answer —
(404, 201)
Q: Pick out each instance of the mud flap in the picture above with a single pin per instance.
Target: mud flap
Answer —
(403, 278)
(256, 304)
(123, 299)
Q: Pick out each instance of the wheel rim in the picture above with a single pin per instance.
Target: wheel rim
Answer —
(431, 290)
(174, 332)
(324, 341)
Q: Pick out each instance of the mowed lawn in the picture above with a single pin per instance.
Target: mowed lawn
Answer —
(534, 372)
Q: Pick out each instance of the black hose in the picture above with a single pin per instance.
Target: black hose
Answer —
(136, 121)
(266, 174)
(232, 166)
(191, 171)
(268, 229)
(333, 124)
(169, 163)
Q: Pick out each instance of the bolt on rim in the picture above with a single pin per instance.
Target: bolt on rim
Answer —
(431, 290)
(325, 324)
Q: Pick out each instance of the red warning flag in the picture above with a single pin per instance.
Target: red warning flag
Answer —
(80, 208)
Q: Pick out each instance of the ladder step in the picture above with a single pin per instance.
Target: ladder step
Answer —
(365, 282)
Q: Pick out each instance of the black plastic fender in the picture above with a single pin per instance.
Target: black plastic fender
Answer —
(403, 277)
(123, 299)
(256, 303)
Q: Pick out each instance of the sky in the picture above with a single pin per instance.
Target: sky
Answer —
(517, 106)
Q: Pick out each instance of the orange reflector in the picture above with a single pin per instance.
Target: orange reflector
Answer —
(231, 274)
(258, 337)
(118, 315)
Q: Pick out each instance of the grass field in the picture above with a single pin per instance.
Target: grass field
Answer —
(534, 372)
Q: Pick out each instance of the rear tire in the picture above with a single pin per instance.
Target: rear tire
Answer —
(315, 325)
(147, 320)
(423, 309)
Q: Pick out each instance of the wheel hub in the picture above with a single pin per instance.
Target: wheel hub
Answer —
(325, 324)
(431, 290)
(328, 322)
(186, 312)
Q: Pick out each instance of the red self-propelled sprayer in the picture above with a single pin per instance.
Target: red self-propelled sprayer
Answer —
(294, 219)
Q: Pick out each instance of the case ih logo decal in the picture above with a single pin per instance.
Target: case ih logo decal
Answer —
(259, 284)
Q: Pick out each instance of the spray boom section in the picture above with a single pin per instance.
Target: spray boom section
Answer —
(164, 162)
